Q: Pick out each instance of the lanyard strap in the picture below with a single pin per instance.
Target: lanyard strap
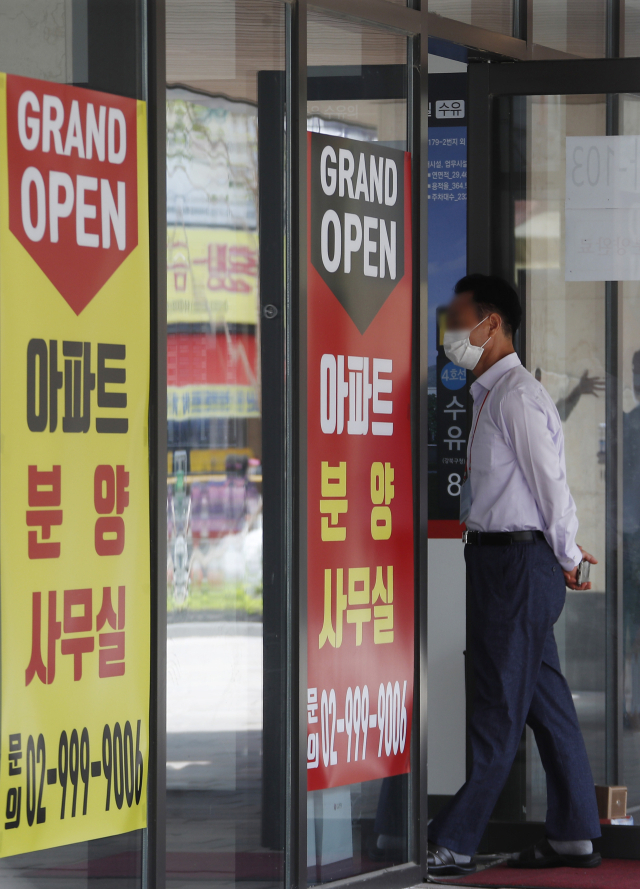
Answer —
(467, 468)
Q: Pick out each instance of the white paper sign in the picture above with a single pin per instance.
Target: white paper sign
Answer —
(602, 171)
(602, 245)
(602, 208)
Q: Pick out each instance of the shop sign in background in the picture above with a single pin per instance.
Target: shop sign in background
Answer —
(212, 276)
(359, 478)
(212, 260)
(74, 542)
(448, 389)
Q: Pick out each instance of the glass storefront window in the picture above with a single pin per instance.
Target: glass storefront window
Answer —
(339, 48)
(494, 15)
(629, 433)
(630, 360)
(565, 349)
(225, 219)
(631, 41)
(357, 88)
(562, 169)
(574, 235)
(75, 43)
(571, 26)
(226, 521)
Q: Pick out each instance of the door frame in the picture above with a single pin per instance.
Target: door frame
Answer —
(488, 81)
(410, 22)
(486, 249)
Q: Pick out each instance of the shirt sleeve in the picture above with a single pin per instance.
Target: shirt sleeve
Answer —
(528, 426)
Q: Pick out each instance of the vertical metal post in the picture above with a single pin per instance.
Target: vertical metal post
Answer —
(615, 29)
(156, 779)
(418, 119)
(479, 168)
(613, 542)
(296, 420)
(521, 24)
(614, 684)
(272, 213)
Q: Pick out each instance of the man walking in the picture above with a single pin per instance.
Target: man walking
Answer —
(520, 553)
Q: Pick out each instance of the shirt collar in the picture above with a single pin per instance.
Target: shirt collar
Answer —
(490, 377)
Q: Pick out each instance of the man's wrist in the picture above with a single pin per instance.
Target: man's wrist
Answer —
(571, 561)
(576, 556)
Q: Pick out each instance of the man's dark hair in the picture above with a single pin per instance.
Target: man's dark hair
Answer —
(493, 294)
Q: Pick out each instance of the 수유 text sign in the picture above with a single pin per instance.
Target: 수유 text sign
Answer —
(74, 496)
(359, 480)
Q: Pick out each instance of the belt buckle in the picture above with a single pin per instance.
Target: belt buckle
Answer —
(465, 536)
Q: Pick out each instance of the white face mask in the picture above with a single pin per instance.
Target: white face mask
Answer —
(459, 349)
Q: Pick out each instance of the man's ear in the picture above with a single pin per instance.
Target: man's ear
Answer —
(495, 322)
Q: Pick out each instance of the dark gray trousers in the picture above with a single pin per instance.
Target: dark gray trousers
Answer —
(517, 594)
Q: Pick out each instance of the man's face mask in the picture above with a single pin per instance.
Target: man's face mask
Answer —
(459, 349)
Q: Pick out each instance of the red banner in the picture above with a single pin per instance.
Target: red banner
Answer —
(73, 182)
(359, 476)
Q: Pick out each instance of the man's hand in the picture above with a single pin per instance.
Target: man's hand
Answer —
(570, 576)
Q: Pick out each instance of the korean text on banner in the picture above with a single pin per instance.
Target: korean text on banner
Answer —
(359, 479)
(74, 495)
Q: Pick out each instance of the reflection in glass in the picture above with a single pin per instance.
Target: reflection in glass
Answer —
(225, 785)
(575, 26)
(494, 15)
(629, 370)
(343, 49)
(214, 504)
(565, 349)
(631, 550)
(631, 37)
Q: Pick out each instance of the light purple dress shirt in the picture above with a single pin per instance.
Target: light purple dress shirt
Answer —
(516, 460)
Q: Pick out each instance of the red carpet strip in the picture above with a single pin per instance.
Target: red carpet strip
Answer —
(612, 874)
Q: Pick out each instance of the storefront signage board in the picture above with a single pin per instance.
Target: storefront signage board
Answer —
(448, 389)
(212, 276)
(359, 473)
(74, 481)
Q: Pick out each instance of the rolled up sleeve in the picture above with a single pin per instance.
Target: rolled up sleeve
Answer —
(528, 425)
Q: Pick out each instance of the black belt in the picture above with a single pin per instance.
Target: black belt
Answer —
(501, 538)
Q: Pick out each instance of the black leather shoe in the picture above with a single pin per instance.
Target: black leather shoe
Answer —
(548, 857)
(441, 863)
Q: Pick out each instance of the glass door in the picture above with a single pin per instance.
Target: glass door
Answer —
(226, 635)
(554, 207)
(357, 822)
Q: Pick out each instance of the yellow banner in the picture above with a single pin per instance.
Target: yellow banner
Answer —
(212, 276)
(74, 480)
